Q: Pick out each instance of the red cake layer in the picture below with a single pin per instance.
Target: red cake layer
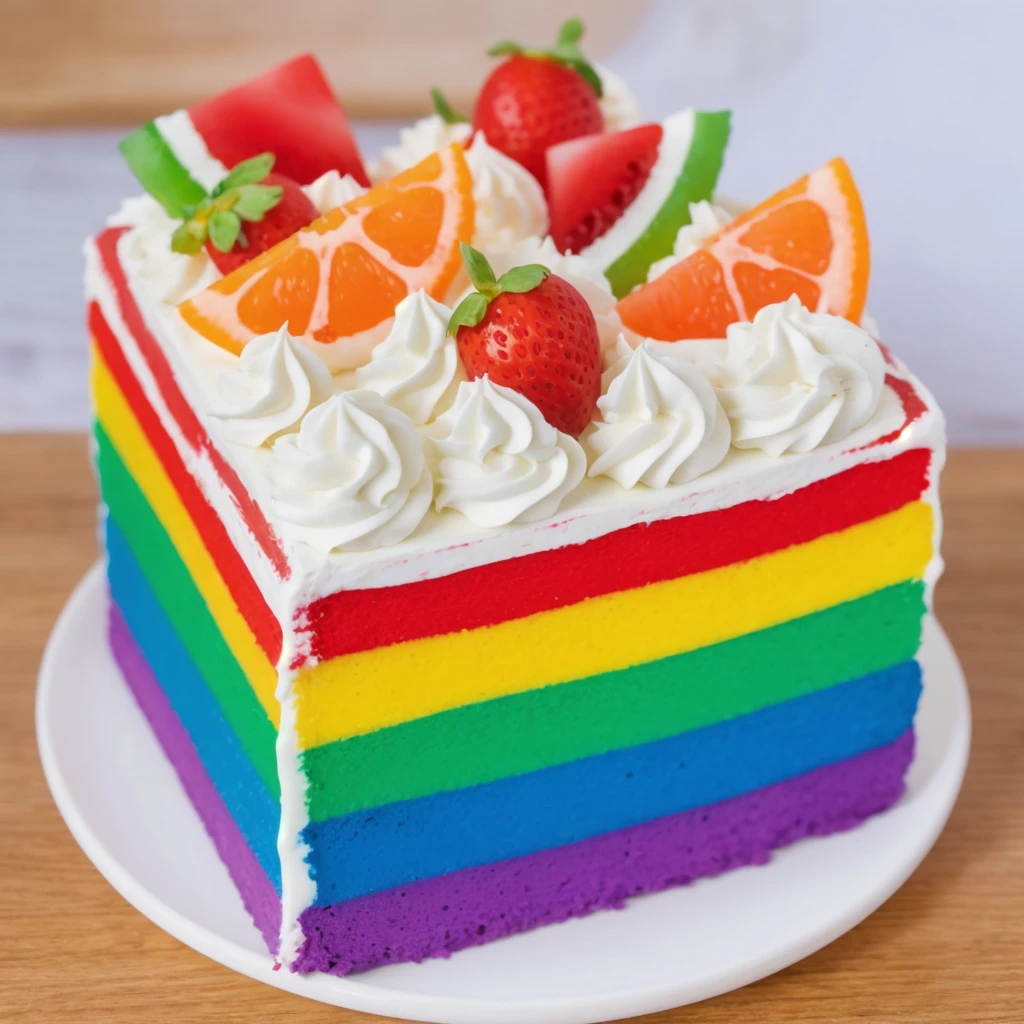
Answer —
(230, 564)
(194, 432)
(359, 620)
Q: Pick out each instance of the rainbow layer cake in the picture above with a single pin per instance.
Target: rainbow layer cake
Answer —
(510, 528)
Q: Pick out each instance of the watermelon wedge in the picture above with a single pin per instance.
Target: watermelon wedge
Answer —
(620, 198)
(289, 111)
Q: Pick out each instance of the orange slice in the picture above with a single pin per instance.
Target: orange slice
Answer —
(809, 240)
(336, 282)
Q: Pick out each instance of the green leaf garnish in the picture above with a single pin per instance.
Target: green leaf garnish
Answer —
(255, 200)
(473, 308)
(479, 269)
(443, 109)
(224, 227)
(188, 238)
(248, 172)
(219, 215)
(566, 52)
(570, 32)
(468, 313)
(522, 279)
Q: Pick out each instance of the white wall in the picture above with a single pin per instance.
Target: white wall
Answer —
(925, 100)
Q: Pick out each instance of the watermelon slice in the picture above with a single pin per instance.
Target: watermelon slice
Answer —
(620, 198)
(289, 111)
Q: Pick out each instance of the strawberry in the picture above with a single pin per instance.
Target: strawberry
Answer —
(538, 98)
(272, 206)
(533, 332)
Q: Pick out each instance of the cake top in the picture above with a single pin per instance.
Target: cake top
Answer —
(526, 317)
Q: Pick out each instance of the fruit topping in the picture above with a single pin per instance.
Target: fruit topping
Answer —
(246, 214)
(533, 332)
(809, 240)
(289, 111)
(620, 198)
(538, 98)
(336, 282)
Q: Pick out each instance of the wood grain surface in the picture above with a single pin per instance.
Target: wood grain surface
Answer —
(69, 62)
(948, 948)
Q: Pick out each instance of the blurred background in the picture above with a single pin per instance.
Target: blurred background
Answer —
(924, 98)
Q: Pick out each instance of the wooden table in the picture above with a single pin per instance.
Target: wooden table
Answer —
(948, 947)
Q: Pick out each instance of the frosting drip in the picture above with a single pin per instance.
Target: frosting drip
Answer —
(354, 477)
(500, 461)
(510, 203)
(793, 380)
(277, 381)
(661, 422)
(417, 367)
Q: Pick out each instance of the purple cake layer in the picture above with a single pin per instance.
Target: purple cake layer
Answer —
(439, 916)
(257, 892)
(436, 917)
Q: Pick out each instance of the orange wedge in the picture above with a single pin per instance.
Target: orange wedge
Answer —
(336, 283)
(810, 239)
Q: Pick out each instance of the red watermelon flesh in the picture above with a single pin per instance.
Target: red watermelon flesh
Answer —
(592, 181)
(289, 111)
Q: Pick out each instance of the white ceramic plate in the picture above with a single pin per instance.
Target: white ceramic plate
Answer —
(123, 804)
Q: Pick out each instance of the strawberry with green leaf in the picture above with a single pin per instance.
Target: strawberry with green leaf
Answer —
(531, 331)
(538, 98)
(247, 213)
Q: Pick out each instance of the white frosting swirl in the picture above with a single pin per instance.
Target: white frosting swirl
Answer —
(706, 219)
(331, 190)
(662, 423)
(354, 477)
(277, 381)
(416, 143)
(168, 276)
(417, 367)
(501, 462)
(793, 380)
(619, 106)
(580, 272)
(510, 203)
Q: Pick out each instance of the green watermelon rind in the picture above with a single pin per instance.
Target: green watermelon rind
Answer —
(695, 182)
(159, 171)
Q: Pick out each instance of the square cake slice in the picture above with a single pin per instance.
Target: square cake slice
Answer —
(460, 723)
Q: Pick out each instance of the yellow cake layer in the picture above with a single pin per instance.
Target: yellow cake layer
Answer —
(358, 693)
(121, 426)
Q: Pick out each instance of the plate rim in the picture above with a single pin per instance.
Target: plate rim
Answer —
(352, 993)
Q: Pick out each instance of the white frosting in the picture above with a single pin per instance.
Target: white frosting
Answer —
(793, 380)
(417, 367)
(706, 219)
(500, 461)
(585, 276)
(619, 107)
(277, 381)
(354, 477)
(332, 190)
(168, 276)
(416, 143)
(661, 422)
(510, 203)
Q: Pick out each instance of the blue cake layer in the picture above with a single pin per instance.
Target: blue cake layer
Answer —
(255, 811)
